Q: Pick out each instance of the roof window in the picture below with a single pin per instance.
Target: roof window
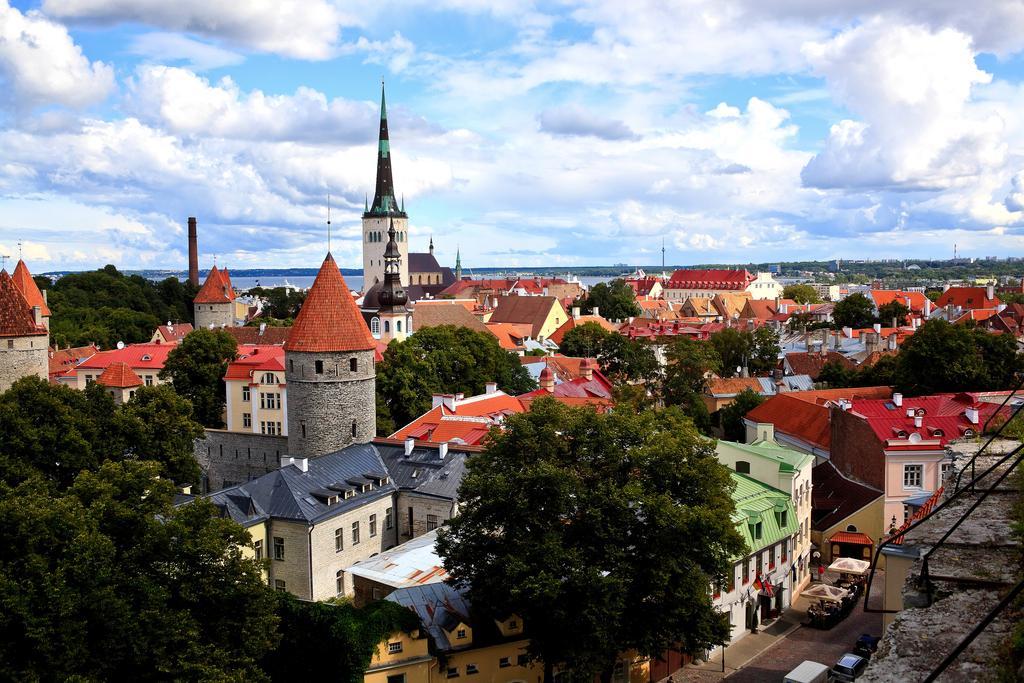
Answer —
(146, 356)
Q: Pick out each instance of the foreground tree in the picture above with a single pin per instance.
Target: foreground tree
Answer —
(614, 300)
(603, 532)
(731, 416)
(627, 360)
(111, 582)
(444, 359)
(585, 341)
(688, 364)
(196, 369)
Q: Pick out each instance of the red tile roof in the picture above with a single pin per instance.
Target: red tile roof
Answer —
(63, 361)
(254, 359)
(175, 332)
(510, 335)
(710, 279)
(470, 419)
(531, 310)
(329, 319)
(730, 386)
(823, 396)
(16, 319)
(942, 419)
(967, 297)
(27, 286)
(217, 288)
(253, 335)
(642, 286)
(851, 537)
(811, 362)
(119, 376)
(915, 301)
(135, 356)
(796, 417)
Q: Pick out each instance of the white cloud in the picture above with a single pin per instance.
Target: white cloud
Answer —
(304, 29)
(573, 120)
(1015, 199)
(165, 47)
(911, 88)
(41, 65)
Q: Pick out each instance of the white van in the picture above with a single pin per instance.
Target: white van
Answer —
(808, 672)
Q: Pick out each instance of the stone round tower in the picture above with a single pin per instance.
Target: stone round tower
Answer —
(24, 339)
(329, 370)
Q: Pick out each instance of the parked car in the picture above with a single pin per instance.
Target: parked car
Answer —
(866, 645)
(808, 672)
(848, 668)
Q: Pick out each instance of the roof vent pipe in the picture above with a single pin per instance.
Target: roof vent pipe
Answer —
(442, 450)
(410, 444)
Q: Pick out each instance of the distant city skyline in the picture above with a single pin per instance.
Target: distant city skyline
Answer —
(524, 134)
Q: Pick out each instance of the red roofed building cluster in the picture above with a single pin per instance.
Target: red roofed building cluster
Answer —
(145, 360)
(705, 284)
(24, 328)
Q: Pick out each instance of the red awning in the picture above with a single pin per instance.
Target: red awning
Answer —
(850, 537)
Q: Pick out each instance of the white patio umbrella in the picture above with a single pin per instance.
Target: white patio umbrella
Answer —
(849, 565)
(823, 591)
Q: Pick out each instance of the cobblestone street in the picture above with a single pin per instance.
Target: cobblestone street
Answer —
(784, 653)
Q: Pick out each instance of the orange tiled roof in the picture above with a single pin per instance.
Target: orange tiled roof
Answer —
(967, 297)
(16, 319)
(253, 359)
(510, 335)
(62, 361)
(119, 376)
(175, 332)
(573, 323)
(329, 319)
(27, 286)
(727, 386)
(822, 396)
(915, 301)
(811, 362)
(469, 421)
(217, 288)
(796, 417)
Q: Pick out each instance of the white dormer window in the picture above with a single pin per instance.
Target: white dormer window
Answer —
(147, 357)
(269, 378)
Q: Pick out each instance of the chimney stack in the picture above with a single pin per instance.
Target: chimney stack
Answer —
(193, 252)
(990, 291)
(586, 369)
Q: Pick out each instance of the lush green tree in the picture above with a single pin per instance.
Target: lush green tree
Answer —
(444, 359)
(894, 310)
(835, 375)
(157, 425)
(584, 341)
(764, 350)
(614, 300)
(603, 532)
(733, 348)
(854, 311)
(105, 306)
(331, 641)
(627, 360)
(196, 369)
(882, 373)
(802, 294)
(688, 363)
(941, 357)
(731, 416)
(281, 303)
(109, 581)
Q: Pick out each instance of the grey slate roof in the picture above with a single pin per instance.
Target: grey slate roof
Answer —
(290, 493)
(439, 606)
(423, 263)
(423, 472)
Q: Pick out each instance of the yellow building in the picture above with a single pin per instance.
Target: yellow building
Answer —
(544, 314)
(257, 398)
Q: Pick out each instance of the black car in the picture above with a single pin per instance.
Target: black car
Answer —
(848, 668)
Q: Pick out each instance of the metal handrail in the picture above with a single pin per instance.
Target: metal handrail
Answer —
(960, 520)
(993, 437)
(938, 508)
(975, 632)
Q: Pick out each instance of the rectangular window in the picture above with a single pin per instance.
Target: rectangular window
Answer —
(396, 678)
(912, 476)
(771, 558)
(460, 634)
(279, 584)
(278, 548)
(785, 551)
(453, 672)
(355, 533)
(732, 580)
(431, 522)
(746, 572)
(757, 531)
(504, 662)
(258, 547)
(245, 394)
(373, 525)
(471, 669)
(394, 648)
(784, 518)
(247, 419)
(760, 564)
(944, 470)
(388, 519)
(270, 401)
(523, 660)
(339, 540)
(149, 380)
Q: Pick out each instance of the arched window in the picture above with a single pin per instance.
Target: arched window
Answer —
(387, 327)
(408, 325)
(398, 326)
(353, 365)
(375, 327)
(354, 429)
(742, 467)
(269, 378)
(852, 528)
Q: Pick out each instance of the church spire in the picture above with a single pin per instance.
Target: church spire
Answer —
(392, 297)
(384, 203)
(458, 264)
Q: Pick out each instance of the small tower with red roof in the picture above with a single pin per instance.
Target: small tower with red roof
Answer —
(24, 339)
(214, 305)
(329, 371)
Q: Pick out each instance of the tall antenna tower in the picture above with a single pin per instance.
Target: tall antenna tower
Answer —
(328, 222)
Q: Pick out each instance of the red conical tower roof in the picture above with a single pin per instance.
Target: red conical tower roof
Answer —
(16, 319)
(329, 319)
(216, 289)
(119, 376)
(27, 286)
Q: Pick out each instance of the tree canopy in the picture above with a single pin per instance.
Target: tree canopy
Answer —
(757, 350)
(894, 310)
(731, 416)
(602, 532)
(105, 306)
(281, 303)
(445, 359)
(196, 369)
(801, 293)
(614, 300)
(584, 341)
(854, 311)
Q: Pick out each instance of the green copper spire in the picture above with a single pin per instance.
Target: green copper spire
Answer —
(384, 203)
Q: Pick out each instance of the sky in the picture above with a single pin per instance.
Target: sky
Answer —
(577, 132)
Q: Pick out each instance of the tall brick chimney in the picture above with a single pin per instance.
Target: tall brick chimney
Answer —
(193, 252)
